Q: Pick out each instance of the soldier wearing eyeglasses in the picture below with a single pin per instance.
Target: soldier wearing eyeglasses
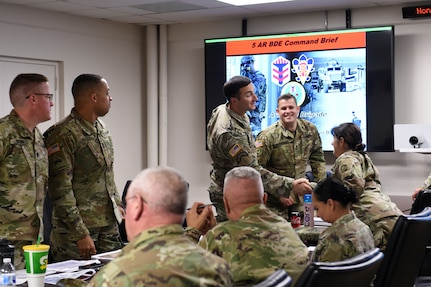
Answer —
(24, 162)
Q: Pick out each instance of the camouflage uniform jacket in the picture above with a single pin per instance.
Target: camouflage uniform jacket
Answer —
(288, 154)
(256, 245)
(347, 237)
(163, 256)
(81, 177)
(427, 183)
(231, 144)
(23, 179)
(375, 208)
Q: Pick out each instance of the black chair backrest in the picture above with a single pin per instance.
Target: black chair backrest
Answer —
(423, 199)
(279, 278)
(405, 250)
(122, 225)
(358, 271)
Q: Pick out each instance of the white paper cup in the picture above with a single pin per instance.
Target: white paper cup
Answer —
(35, 280)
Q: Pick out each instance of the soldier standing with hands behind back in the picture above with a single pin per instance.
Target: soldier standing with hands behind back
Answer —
(24, 162)
(81, 177)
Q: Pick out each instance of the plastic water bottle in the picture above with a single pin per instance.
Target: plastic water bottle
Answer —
(308, 211)
(8, 275)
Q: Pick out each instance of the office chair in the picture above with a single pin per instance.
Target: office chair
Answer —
(122, 225)
(423, 199)
(358, 271)
(279, 278)
(405, 250)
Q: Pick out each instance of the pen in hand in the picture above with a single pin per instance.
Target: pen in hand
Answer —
(202, 206)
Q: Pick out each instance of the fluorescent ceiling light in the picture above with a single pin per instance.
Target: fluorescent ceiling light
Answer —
(251, 2)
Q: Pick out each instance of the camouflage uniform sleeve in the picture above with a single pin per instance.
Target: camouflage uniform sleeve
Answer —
(263, 149)
(349, 170)
(61, 165)
(317, 158)
(110, 276)
(427, 183)
(213, 241)
(193, 234)
(242, 153)
(328, 251)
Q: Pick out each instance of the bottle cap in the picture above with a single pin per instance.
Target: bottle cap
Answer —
(307, 197)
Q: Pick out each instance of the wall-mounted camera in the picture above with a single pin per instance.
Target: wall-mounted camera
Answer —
(412, 138)
(415, 142)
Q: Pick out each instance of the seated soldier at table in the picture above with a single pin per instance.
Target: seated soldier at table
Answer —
(254, 241)
(347, 236)
(158, 253)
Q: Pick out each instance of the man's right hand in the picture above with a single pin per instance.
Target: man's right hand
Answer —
(202, 219)
(287, 201)
(301, 186)
(86, 247)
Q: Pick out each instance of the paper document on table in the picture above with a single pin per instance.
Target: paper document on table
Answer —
(319, 222)
(69, 265)
(107, 256)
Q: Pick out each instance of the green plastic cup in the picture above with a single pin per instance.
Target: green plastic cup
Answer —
(36, 258)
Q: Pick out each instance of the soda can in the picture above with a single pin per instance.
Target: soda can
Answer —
(295, 219)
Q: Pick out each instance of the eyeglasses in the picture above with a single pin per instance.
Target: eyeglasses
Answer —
(134, 196)
(48, 96)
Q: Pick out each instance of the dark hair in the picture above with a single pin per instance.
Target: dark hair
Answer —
(333, 188)
(84, 83)
(286, 97)
(351, 134)
(26, 79)
(232, 87)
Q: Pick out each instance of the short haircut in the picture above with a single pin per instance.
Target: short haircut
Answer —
(25, 82)
(244, 172)
(85, 83)
(286, 97)
(162, 187)
(231, 88)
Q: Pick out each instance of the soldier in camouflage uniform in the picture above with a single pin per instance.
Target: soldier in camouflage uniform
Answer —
(354, 167)
(286, 148)
(347, 237)
(231, 144)
(81, 177)
(254, 241)
(158, 253)
(24, 162)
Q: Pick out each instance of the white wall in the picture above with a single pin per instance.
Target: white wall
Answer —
(83, 45)
(117, 51)
(400, 173)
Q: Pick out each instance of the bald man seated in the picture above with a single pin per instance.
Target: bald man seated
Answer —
(254, 241)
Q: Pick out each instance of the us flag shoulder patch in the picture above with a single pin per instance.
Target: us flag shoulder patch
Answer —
(53, 149)
(258, 143)
(235, 150)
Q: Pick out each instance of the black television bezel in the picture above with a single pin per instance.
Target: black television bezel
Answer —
(380, 101)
